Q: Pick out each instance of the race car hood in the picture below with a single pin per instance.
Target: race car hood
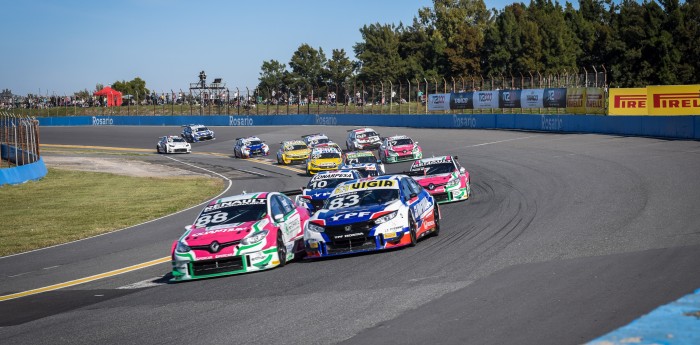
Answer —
(323, 162)
(302, 152)
(255, 147)
(223, 233)
(318, 194)
(425, 181)
(352, 214)
(401, 148)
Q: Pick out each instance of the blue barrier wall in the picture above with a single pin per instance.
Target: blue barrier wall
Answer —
(685, 127)
(22, 173)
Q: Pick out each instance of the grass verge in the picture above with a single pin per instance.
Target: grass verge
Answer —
(69, 205)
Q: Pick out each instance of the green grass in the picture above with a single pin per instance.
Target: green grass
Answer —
(68, 205)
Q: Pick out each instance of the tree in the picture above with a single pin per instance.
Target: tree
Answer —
(272, 78)
(136, 86)
(378, 54)
(307, 66)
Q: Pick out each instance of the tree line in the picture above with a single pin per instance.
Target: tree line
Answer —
(638, 43)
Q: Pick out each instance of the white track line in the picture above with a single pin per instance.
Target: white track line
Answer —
(503, 141)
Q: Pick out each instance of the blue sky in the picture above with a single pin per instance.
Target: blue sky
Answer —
(65, 46)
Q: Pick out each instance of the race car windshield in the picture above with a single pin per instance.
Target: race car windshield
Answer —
(329, 183)
(435, 169)
(296, 147)
(254, 142)
(366, 135)
(201, 129)
(361, 159)
(326, 155)
(399, 142)
(177, 140)
(232, 214)
(320, 141)
(362, 198)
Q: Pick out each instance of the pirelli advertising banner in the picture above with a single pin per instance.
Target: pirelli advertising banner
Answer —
(629, 101)
(575, 100)
(673, 100)
(595, 101)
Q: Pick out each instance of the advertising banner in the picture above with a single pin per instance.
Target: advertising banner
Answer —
(462, 100)
(509, 99)
(485, 99)
(575, 99)
(532, 98)
(595, 101)
(627, 101)
(673, 100)
(554, 98)
(440, 101)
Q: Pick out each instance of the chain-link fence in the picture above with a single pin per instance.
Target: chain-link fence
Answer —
(352, 97)
(19, 139)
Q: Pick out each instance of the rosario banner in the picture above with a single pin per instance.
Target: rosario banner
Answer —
(627, 101)
(673, 100)
(509, 99)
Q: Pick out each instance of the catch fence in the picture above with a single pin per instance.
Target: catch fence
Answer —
(19, 140)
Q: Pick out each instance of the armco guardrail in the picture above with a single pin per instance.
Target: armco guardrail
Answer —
(683, 127)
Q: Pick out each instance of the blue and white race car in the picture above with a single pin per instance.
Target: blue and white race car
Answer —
(321, 186)
(194, 133)
(249, 147)
(314, 139)
(372, 214)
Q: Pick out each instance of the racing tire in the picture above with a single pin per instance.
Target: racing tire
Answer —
(158, 149)
(281, 250)
(436, 214)
(412, 232)
(469, 189)
(300, 250)
(279, 162)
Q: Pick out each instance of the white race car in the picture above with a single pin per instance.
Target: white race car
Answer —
(362, 139)
(173, 144)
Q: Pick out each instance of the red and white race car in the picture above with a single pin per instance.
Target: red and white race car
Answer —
(443, 178)
(238, 234)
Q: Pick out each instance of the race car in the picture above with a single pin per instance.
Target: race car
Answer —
(364, 162)
(293, 151)
(362, 139)
(443, 177)
(372, 214)
(249, 147)
(314, 139)
(399, 148)
(321, 185)
(323, 158)
(238, 234)
(329, 144)
(173, 144)
(195, 133)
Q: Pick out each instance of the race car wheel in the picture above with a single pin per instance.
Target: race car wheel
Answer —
(279, 161)
(281, 250)
(158, 149)
(469, 188)
(412, 232)
(436, 214)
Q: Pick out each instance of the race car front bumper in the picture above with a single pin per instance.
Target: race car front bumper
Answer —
(443, 196)
(294, 160)
(313, 170)
(187, 268)
(333, 242)
(404, 157)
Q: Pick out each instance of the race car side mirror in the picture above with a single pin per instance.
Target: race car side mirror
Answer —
(189, 227)
(278, 217)
(462, 170)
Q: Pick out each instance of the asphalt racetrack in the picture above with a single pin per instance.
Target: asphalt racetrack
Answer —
(566, 238)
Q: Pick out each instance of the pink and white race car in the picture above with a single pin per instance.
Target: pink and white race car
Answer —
(443, 178)
(238, 234)
(399, 148)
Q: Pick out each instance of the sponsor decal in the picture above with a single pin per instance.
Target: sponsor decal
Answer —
(421, 207)
(333, 176)
(486, 99)
(102, 121)
(235, 203)
(240, 121)
(373, 184)
(510, 99)
(356, 234)
(630, 101)
(430, 161)
(555, 98)
(462, 100)
(440, 101)
(349, 215)
(532, 98)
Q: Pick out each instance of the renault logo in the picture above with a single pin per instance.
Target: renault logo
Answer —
(214, 247)
(431, 186)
